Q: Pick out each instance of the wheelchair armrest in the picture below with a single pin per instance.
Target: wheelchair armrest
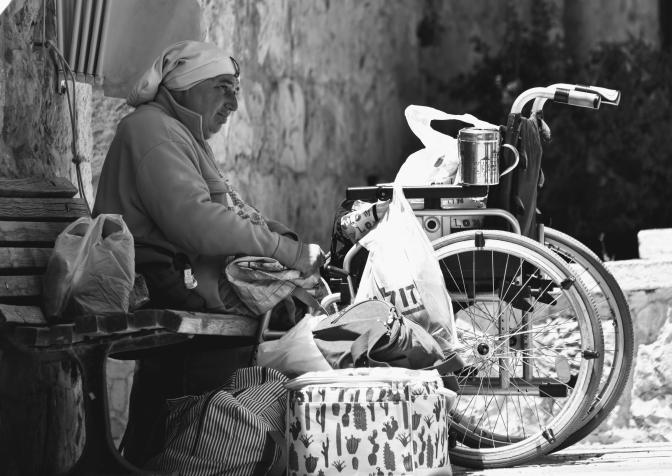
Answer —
(384, 192)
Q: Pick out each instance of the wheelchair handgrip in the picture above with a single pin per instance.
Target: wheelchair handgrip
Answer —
(577, 98)
(608, 96)
(336, 271)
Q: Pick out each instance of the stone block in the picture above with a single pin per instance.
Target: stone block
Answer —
(641, 274)
(655, 244)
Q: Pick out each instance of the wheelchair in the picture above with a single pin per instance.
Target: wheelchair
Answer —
(543, 326)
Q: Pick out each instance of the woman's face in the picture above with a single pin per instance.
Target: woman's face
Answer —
(214, 99)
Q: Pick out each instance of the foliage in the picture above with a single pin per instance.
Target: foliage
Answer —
(608, 172)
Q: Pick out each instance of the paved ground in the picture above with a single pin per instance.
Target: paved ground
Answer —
(646, 459)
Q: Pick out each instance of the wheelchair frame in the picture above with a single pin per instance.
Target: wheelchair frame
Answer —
(603, 391)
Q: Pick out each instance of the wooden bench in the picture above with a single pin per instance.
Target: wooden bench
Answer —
(53, 389)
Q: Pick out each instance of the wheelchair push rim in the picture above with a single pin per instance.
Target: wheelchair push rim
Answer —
(615, 320)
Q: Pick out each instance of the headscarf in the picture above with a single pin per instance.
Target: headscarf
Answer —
(181, 66)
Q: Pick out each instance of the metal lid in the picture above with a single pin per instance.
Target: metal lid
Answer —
(476, 134)
(368, 376)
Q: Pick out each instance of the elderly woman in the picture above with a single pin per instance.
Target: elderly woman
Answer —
(162, 176)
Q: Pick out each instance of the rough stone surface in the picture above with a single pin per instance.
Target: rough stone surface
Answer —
(35, 130)
(644, 412)
(639, 274)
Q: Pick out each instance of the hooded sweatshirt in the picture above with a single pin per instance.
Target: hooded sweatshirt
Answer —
(161, 176)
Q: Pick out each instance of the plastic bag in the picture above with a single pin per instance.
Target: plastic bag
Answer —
(403, 270)
(437, 163)
(92, 268)
(295, 353)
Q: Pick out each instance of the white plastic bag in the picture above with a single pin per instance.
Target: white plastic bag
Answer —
(437, 163)
(91, 270)
(295, 353)
(403, 270)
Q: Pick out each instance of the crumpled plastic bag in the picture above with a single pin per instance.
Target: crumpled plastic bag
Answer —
(402, 269)
(438, 162)
(91, 270)
(295, 353)
(262, 282)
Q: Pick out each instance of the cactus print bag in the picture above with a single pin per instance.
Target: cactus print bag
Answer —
(353, 422)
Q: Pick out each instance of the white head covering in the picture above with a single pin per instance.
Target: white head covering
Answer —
(180, 67)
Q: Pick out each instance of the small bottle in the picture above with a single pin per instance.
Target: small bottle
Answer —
(189, 279)
(362, 219)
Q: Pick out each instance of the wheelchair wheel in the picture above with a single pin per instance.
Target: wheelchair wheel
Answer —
(527, 330)
(615, 320)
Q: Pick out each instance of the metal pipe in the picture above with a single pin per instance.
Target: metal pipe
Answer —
(103, 38)
(530, 94)
(95, 36)
(84, 37)
(74, 40)
(60, 25)
(346, 266)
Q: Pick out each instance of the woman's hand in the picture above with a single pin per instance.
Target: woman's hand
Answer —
(310, 259)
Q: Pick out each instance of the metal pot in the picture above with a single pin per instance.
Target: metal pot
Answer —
(479, 156)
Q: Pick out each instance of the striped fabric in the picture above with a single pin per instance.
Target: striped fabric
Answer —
(231, 431)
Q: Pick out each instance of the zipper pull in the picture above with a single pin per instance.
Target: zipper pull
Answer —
(189, 279)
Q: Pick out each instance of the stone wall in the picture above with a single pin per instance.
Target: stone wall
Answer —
(41, 427)
(35, 131)
(644, 412)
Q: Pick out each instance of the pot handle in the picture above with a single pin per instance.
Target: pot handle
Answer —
(515, 162)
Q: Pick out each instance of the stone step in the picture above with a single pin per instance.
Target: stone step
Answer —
(642, 274)
(655, 243)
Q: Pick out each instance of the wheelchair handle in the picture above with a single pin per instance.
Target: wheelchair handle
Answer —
(560, 94)
(611, 97)
(336, 271)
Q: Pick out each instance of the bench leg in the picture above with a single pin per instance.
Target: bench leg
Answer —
(100, 455)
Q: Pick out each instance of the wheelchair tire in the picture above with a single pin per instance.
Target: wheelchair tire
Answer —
(616, 322)
(548, 366)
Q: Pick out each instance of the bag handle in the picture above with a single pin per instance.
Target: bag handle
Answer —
(360, 347)
(306, 298)
(419, 119)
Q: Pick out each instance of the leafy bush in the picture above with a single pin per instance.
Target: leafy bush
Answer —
(608, 172)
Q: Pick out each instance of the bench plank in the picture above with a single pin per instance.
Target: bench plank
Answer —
(186, 322)
(20, 286)
(47, 209)
(16, 258)
(144, 319)
(30, 232)
(31, 315)
(60, 334)
(101, 324)
(37, 187)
